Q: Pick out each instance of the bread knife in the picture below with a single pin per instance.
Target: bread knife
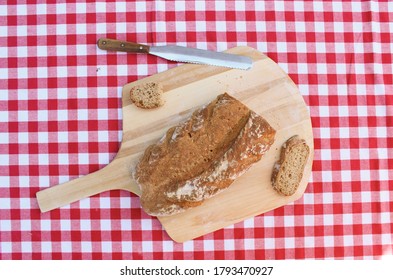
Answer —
(179, 53)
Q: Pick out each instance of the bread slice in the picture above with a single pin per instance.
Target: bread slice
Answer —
(147, 95)
(201, 156)
(288, 171)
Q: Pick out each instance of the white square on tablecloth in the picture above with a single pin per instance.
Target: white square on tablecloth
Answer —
(121, 27)
(327, 197)
(302, 68)
(383, 175)
(65, 225)
(208, 245)
(106, 224)
(386, 217)
(121, 7)
(366, 218)
(309, 220)
(221, 26)
(61, 29)
(83, 114)
(268, 221)
(141, 27)
(229, 244)
(249, 223)
(46, 246)
(328, 219)
(45, 225)
(327, 176)
(281, 26)
(26, 247)
(4, 159)
(309, 241)
(23, 159)
(386, 239)
(66, 246)
(5, 247)
(86, 247)
(249, 244)
(344, 132)
(103, 136)
(289, 242)
(187, 246)
(4, 117)
(43, 137)
(365, 175)
(270, 243)
(125, 224)
(146, 224)
(21, 30)
(343, 111)
(324, 111)
(21, 51)
(22, 72)
(105, 202)
(103, 158)
(102, 114)
(62, 115)
(62, 137)
(347, 219)
(25, 225)
(83, 158)
(43, 181)
(219, 5)
(85, 225)
(241, 26)
(106, 246)
(167, 246)
(61, 8)
(84, 203)
(24, 181)
(81, 71)
(328, 241)
(83, 136)
(25, 203)
(23, 116)
(5, 203)
(320, 47)
(348, 240)
(62, 158)
(41, 30)
(289, 221)
(5, 225)
(147, 246)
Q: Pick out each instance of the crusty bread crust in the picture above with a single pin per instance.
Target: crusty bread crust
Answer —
(201, 156)
(288, 170)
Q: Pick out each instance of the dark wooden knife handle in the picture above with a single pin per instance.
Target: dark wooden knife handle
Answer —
(116, 45)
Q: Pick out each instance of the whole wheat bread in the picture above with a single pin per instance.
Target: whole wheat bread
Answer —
(201, 156)
(147, 95)
(288, 171)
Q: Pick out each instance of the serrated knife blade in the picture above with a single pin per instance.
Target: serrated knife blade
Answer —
(180, 54)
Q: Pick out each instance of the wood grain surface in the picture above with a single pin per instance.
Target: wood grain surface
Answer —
(265, 88)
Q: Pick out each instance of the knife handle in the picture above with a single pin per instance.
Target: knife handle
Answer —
(116, 45)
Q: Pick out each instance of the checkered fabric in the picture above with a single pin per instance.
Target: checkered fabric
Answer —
(60, 118)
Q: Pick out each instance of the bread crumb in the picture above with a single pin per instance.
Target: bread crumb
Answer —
(147, 95)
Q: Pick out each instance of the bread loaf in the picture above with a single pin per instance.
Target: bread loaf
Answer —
(201, 156)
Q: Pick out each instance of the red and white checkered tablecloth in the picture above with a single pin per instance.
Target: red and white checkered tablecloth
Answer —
(60, 118)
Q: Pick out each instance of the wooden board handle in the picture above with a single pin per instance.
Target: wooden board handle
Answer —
(116, 45)
(113, 176)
